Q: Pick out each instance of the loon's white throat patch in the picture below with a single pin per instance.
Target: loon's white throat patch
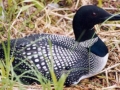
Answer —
(89, 42)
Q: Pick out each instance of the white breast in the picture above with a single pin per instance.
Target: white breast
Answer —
(95, 67)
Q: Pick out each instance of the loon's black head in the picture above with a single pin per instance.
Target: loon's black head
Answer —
(85, 19)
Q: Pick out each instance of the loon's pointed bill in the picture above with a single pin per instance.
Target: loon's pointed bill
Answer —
(111, 17)
(84, 56)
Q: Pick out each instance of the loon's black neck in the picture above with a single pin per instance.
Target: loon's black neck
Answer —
(83, 35)
(86, 33)
(99, 48)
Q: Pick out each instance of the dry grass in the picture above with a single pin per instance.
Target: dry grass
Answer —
(59, 21)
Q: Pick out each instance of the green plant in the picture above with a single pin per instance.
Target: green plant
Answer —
(7, 73)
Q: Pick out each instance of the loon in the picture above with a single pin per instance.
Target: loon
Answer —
(82, 57)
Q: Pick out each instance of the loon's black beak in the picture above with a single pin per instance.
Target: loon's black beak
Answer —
(112, 17)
